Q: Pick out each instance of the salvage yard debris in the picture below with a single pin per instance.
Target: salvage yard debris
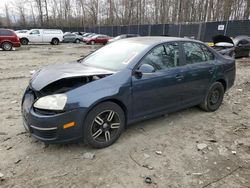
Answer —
(88, 155)
(201, 146)
(1, 177)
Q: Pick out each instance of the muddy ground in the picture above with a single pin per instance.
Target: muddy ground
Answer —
(164, 148)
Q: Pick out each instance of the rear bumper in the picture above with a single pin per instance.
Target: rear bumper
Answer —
(16, 44)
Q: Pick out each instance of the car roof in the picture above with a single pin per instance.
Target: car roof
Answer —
(155, 40)
(6, 29)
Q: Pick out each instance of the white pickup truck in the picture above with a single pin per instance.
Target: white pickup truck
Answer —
(52, 36)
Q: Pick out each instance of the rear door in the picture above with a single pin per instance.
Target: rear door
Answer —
(161, 90)
(201, 68)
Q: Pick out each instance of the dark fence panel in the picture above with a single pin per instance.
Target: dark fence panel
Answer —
(213, 28)
(144, 30)
(115, 30)
(236, 28)
(133, 29)
(124, 30)
(109, 31)
(201, 31)
(157, 30)
(189, 30)
(166, 30)
(103, 30)
(174, 30)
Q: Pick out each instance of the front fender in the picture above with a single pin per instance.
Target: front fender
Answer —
(116, 87)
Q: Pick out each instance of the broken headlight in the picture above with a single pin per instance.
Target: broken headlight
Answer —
(51, 102)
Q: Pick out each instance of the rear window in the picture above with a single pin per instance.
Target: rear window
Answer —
(6, 33)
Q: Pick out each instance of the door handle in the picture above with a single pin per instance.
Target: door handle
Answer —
(179, 77)
(211, 71)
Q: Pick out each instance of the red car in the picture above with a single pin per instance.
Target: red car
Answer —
(98, 39)
(8, 39)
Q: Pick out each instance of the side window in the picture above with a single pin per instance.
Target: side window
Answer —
(163, 57)
(209, 55)
(172, 55)
(35, 32)
(6, 33)
(194, 53)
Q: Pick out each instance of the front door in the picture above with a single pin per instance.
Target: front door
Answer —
(35, 36)
(160, 90)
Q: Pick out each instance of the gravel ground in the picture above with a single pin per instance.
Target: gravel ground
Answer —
(164, 149)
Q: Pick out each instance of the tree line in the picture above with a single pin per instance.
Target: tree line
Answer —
(82, 13)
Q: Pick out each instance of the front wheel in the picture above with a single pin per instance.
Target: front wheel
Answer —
(7, 46)
(104, 125)
(92, 42)
(214, 97)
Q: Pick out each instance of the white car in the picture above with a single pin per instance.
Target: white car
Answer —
(52, 36)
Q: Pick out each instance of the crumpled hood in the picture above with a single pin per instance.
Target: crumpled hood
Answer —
(222, 38)
(50, 74)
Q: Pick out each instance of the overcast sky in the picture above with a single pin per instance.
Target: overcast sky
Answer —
(2, 5)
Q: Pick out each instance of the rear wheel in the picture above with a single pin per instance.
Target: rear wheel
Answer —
(24, 41)
(92, 42)
(104, 124)
(7, 46)
(213, 98)
(55, 42)
(77, 41)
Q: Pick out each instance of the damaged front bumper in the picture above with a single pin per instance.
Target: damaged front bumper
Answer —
(50, 128)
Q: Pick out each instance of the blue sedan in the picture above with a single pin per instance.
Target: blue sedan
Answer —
(94, 98)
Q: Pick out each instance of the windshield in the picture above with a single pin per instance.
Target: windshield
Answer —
(114, 56)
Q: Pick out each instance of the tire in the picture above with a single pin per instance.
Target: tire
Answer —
(7, 46)
(103, 125)
(24, 41)
(214, 97)
(77, 41)
(55, 41)
(92, 42)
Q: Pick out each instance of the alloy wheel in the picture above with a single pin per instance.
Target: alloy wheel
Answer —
(7, 46)
(105, 126)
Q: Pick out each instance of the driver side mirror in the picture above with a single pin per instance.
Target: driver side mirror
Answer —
(144, 69)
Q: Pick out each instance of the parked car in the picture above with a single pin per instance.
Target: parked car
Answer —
(123, 37)
(79, 33)
(52, 36)
(71, 37)
(87, 36)
(8, 39)
(21, 31)
(94, 98)
(236, 48)
(98, 39)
